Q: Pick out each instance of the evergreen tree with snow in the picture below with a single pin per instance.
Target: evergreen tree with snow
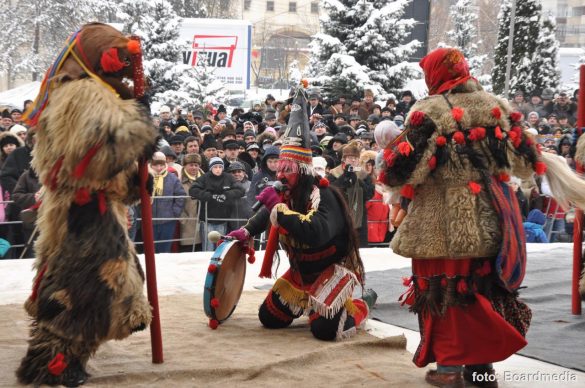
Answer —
(545, 66)
(363, 38)
(463, 35)
(524, 45)
(294, 73)
(34, 31)
(190, 8)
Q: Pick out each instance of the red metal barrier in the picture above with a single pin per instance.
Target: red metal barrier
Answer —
(578, 225)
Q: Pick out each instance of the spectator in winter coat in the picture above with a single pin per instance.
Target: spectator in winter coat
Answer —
(165, 185)
(266, 175)
(242, 209)
(8, 143)
(407, 101)
(218, 192)
(534, 227)
(190, 233)
(26, 193)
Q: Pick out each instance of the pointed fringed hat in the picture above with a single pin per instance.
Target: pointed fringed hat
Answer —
(296, 141)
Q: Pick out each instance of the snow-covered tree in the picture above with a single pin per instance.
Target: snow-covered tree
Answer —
(294, 73)
(524, 45)
(365, 38)
(463, 35)
(545, 66)
(190, 8)
(34, 31)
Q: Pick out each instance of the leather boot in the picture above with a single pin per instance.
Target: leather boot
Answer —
(445, 380)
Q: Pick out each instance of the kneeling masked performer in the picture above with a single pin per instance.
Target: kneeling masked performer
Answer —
(315, 228)
(90, 132)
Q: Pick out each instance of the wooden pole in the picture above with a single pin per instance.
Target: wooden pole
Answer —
(147, 233)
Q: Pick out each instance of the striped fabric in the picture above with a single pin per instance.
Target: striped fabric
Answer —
(511, 260)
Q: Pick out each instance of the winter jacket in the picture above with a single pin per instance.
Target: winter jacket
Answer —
(242, 208)
(190, 228)
(264, 177)
(378, 218)
(533, 227)
(5, 137)
(218, 192)
(169, 207)
(16, 163)
(451, 214)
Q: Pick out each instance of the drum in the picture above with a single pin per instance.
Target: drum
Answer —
(225, 281)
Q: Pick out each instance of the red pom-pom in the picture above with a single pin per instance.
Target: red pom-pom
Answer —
(213, 323)
(214, 303)
(251, 259)
(457, 113)
(441, 141)
(474, 187)
(539, 168)
(433, 162)
(133, 46)
(406, 281)
(389, 157)
(459, 137)
(212, 268)
(515, 138)
(503, 177)
(443, 282)
(498, 133)
(462, 287)
(417, 118)
(515, 116)
(404, 148)
(110, 61)
(423, 284)
(323, 183)
(407, 191)
(477, 133)
(57, 365)
(539, 149)
(82, 196)
(497, 113)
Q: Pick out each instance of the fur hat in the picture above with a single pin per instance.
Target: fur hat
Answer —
(17, 128)
(10, 138)
(192, 158)
(368, 92)
(351, 149)
(366, 156)
(215, 161)
(209, 142)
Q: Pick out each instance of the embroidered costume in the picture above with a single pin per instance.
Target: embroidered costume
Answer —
(316, 231)
(90, 133)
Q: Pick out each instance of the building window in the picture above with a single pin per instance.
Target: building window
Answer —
(270, 5)
(314, 7)
(292, 6)
(247, 4)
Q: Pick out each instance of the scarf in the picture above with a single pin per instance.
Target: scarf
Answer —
(159, 183)
(189, 176)
(444, 69)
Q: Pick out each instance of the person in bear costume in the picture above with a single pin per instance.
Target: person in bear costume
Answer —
(90, 132)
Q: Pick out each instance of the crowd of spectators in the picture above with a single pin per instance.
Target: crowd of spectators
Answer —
(212, 163)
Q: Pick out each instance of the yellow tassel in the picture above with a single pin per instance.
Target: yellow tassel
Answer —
(350, 307)
(290, 294)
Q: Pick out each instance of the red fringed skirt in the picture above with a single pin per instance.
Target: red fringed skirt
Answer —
(465, 318)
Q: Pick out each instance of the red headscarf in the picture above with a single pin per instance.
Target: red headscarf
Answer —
(444, 69)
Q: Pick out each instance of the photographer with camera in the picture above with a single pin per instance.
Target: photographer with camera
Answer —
(356, 185)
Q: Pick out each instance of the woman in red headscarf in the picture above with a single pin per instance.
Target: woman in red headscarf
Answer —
(463, 230)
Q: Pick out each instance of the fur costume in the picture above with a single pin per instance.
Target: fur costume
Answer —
(90, 135)
(580, 157)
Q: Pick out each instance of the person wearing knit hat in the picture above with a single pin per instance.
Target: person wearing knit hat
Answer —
(249, 136)
(19, 130)
(318, 225)
(190, 233)
(8, 143)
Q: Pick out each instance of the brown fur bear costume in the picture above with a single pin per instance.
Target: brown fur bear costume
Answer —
(90, 135)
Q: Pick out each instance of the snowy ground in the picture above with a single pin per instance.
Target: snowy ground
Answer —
(185, 273)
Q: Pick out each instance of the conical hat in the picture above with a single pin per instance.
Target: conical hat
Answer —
(296, 141)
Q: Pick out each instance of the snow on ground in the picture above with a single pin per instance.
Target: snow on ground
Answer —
(185, 273)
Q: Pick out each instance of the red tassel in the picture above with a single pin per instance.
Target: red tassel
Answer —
(212, 268)
(57, 365)
(417, 118)
(441, 141)
(497, 113)
(407, 191)
(503, 177)
(474, 187)
(443, 282)
(110, 61)
(498, 133)
(462, 287)
(82, 196)
(382, 177)
(54, 172)
(422, 283)
(271, 246)
(35, 291)
(82, 166)
(213, 323)
(477, 133)
(406, 281)
(433, 162)
(457, 114)
(404, 148)
(389, 157)
(323, 183)
(485, 269)
(214, 303)
(539, 168)
(515, 116)
(459, 137)
(102, 204)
